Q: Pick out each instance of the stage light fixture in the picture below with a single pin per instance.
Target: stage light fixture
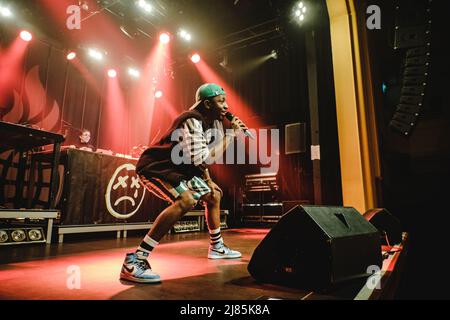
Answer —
(185, 35)
(35, 234)
(274, 54)
(95, 54)
(134, 72)
(144, 5)
(3, 236)
(224, 62)
(84, 5)
(112, 73)
(18, 235)
(195, 58)
(5, 12)
(71, 55)
(158, 94)
(299, 12)
(22, 235)
(25, 35)
(164, 38)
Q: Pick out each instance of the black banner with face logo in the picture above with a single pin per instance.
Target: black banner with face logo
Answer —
(102, 189)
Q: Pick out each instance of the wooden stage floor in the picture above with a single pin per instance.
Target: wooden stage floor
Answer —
(49, 272)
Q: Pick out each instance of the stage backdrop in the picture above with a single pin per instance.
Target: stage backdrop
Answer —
(64, 96)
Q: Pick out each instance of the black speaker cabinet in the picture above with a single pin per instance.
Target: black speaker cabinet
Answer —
(317, 247)
(389, 227)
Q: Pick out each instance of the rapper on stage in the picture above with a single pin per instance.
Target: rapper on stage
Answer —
(199, 136)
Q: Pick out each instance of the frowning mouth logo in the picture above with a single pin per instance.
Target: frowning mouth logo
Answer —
(124, 194)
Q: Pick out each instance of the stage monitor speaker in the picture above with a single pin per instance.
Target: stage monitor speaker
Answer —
(317, 247)
(388, 226)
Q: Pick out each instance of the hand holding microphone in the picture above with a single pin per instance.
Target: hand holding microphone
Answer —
(238, 124)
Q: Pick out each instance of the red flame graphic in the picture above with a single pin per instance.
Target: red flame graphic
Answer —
(32, 107)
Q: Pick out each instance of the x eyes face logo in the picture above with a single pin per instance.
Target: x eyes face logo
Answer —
(122, 181)
(124, 194)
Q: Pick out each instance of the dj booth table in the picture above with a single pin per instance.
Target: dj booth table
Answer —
(23, 140)
(97, 192)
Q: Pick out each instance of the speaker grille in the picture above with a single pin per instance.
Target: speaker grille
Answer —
(295, 138)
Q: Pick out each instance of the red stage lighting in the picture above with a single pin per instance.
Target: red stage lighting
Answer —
(164, 38)
(195, 58)
(25, 35)
(112, 73)
(71, 55)
(158, 94)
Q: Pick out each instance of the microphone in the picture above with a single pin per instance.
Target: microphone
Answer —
(230, 117)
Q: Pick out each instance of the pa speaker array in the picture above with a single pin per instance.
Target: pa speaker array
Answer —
(412, 36)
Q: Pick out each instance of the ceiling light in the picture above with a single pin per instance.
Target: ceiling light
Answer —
(158, 94)
(112, 73)
(134, 73)
(5, 12)
(147, 7)
(164, 38)
(71, 55)
(195, 58)
(26, 36)
(97, 55)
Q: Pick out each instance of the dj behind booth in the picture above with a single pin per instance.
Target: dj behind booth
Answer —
(84, 141)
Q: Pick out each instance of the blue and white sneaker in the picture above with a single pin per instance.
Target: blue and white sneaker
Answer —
(223, 252)
(138, 270)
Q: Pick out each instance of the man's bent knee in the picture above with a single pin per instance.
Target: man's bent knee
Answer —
(186, 201)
